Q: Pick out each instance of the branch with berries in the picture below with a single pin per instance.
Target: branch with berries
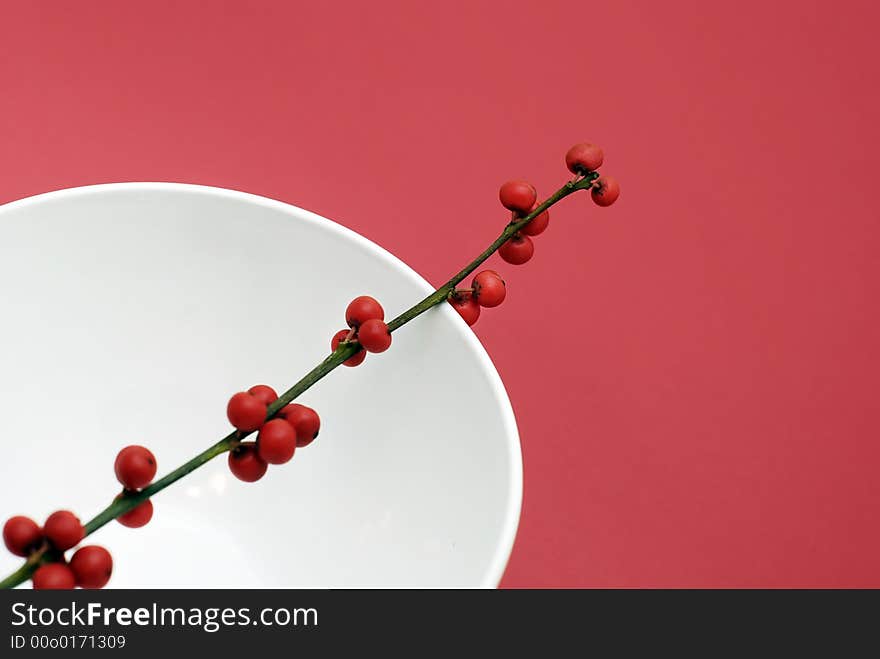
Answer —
(282, 426)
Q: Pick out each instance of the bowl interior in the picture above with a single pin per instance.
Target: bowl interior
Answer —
(133, 311)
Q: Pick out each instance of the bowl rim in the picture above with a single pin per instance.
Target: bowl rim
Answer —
(495, 569)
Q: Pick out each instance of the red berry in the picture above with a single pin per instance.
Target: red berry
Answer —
(374, 336)
(135, 467)
(305, 421)
(63, 529)
(54, 576)
(357, 358)
(137, 516)
(605, 191)
(21, 535)
(466, 306)
(245, 464)
(489, 289)
(583, 158)
(276, 442)
(518, 196)
(537, 225)
(92, 565)
(263, 393)
(246, 412)
(517, 250)
(361, 309)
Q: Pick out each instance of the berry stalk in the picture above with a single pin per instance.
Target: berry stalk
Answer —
(346, 350)
(441, 293)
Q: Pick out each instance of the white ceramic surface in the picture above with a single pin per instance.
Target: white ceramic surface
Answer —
(130, 312)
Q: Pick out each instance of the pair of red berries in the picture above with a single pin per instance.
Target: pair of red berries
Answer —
(293, 426)
(487, 290)
(62, 530)
(366, 322)
(584, 158)
(90, 566)
(135, 468)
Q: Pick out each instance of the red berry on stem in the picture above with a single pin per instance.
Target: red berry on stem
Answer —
(246, 412)
(135, 467)
(357, 358)
(21, 535)
(489, 288)
(517, 250)
(583, 158)
(276, 442)
(537, 225)
(361, 309)
(137, 516)
(305, 421)
(245, 464)
(54, 576)
(374, 336)
(518, 196)
(466, 306)
(263, 393)
(605, 191)
(92, 565)
(63, 529)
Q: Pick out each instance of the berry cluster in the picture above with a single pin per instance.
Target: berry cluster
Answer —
(487, 290)
(135, 468)
(520, 198)
(89, 567)
(585, 158)
(278, 437)
(366, 328)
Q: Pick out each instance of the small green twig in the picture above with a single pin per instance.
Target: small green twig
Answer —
(345, 350)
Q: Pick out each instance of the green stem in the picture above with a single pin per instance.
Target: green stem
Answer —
(21, 575)
(130, 500)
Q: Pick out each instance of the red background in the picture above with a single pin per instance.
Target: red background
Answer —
(695, 370)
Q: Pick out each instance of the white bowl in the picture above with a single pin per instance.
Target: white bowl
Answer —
(131, 312)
